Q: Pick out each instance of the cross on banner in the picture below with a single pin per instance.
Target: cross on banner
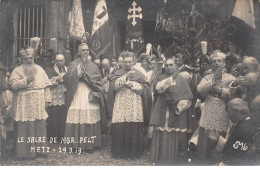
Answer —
(134, 15)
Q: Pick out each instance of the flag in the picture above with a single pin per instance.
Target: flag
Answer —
(76, 21)
(241, 29)
(134, 29)
(101, 32)
(244, 10)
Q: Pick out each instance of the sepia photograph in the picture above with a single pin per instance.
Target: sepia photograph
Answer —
(130, 83)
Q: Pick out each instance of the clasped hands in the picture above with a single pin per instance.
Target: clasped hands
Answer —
(129, 83)
(216, 89)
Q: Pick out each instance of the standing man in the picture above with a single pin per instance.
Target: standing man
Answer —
(215, 88)
(31, 96)
(193, 80)
(170, 117)
(83, 81)
(57, 110)
(131, 110)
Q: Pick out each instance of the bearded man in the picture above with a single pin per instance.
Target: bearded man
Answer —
(31, 96)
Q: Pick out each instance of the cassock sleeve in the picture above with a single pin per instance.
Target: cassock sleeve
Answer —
(163, 85)
(183, 105)
(17, 81)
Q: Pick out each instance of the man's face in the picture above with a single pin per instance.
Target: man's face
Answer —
(106, 65)
(84, 52)
(152, 65)
(128, 63)
(178, 62)
(234, 115)
(60, 61)
(169, 66)
(114, 63)
(120, 62)
(144, 64)
(248, 67)
(218, 62)
(207, 72)
(28, 60)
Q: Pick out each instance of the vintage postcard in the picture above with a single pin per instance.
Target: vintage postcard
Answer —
(129, 82)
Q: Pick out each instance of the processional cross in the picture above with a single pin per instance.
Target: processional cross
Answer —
(134, 15)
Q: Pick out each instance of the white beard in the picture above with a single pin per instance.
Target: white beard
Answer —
(30, 69)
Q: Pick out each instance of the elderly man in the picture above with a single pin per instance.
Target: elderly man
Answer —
(170, 116)
(250, 64)
(237, 145)
(83, 81)
(106, 68)
(131, 110)
(215, 88)
(56, 109)
(31, 96)
(247, 86)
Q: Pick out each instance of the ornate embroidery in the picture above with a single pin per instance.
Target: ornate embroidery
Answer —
(30, 106)
(79, 116)
(128, 107)
(57, 95)
(214, 116)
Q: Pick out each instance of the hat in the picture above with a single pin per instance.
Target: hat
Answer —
(217, 53)
(125, 54)
(30, 51)
(23, 53)
(144, 56)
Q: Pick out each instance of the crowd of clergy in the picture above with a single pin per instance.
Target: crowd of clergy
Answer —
(205, 114)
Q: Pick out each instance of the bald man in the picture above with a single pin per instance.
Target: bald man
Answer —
(106, 68)
(56, 109)
(97, 62)
(248, 86)
(250, 64)
(236, 146)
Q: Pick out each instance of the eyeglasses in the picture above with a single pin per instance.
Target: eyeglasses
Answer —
(168, 65)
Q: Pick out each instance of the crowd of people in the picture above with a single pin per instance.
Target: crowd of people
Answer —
(207, 114)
